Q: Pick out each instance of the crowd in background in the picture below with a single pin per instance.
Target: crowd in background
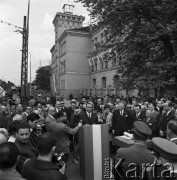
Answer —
(45, 130)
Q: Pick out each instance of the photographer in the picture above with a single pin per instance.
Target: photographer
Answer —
(43, 167)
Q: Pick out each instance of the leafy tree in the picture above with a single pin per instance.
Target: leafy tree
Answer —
(42, 80)
(144, 32)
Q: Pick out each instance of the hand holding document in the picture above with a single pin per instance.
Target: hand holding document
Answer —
(127, 136)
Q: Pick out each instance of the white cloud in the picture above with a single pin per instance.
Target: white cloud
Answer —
(46, 24)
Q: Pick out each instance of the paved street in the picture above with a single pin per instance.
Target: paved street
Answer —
(73, 170)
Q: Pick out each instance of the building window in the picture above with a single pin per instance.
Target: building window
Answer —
(95, 61)
(116, 81)
(103, 82)
(106, 64)
(95, 44)
(63, 48)
(62, 84)
(101, 65)
(93, 83)
(114, 62)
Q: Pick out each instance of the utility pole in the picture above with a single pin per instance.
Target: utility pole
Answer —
(24, 63)
(24, 67)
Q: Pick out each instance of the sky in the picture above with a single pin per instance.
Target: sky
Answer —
(41, 34)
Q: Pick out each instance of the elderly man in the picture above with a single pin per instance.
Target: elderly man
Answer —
(152, 123)
(155, 114)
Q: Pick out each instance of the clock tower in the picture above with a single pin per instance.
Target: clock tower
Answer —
(66, 20)
(67, 8)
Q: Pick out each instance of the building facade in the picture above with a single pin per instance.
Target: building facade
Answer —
(70, 68)
(73, 70)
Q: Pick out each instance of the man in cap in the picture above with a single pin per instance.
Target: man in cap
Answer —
(129, 161)
(166, 158)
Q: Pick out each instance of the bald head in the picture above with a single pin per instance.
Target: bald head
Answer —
(3, 139)
(121, 106)
(51, 111)
(148, 113)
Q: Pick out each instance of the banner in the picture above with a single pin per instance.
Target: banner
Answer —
(94, 149)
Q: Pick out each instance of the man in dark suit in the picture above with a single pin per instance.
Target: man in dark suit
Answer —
(138, 114)
(159, 107)
(152, 123)
(155, 114)
(121, 121)
(99, 105)
(166, 117)
(89, 117)
(132, 158)
(70, 110)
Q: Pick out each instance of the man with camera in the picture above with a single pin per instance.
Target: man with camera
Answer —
(43, 167)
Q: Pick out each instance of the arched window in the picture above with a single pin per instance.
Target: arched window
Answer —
(104, 82)
(116, 80)
(93, 83)
(101, 65)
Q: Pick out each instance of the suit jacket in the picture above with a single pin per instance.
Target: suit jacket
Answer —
(121, 123)
(88, 120)
(165, 119)
(137, 154)
(140, 117)
(48, 121)
(62, 132)
(69, 112)
(159, 109)
(156, 115)
(153, 124)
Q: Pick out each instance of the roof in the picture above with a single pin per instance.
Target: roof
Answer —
(83, 29)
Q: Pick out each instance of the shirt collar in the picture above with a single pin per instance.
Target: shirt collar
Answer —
(169, 111)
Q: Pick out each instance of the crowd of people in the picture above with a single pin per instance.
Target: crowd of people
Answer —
(36, 140)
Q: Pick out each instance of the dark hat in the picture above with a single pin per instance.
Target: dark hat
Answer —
(164, 148)
(141, 129)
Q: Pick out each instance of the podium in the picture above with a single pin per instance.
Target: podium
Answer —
(94, 151)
